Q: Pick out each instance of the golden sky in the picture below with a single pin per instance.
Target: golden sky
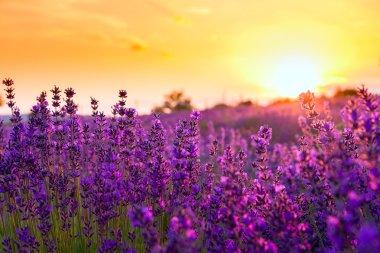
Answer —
(211, 49)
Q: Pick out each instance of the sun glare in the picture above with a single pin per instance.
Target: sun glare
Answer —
(290, 76)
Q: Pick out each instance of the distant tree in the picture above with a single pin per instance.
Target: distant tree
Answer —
(2, 101)
(245, 103)
(220, 106)
(282, 101)
(174, 102)
(345, 93)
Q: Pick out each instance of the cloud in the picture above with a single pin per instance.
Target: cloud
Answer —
(199, 10)
(138, 45)
(66, 21)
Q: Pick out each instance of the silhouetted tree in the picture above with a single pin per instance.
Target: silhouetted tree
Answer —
(345, 93)
(220, 106)
(2, 101)
(174, 102)
(246, 103)
(282, 101)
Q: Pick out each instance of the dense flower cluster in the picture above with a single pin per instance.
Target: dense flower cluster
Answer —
(120, 184)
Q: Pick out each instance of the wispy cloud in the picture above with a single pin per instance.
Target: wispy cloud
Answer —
(199, 10)
(65, 21)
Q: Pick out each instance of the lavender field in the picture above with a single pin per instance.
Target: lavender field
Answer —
(190, 182)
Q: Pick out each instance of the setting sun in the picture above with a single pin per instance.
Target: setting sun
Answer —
(292, 75)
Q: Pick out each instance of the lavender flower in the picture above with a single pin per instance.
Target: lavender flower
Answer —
(26, 242)
(131, 183)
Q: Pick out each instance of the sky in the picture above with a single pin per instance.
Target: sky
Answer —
(214, 50)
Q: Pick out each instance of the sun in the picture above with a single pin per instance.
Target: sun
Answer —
(289, 76)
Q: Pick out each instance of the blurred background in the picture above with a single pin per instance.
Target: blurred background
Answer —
(214, 51)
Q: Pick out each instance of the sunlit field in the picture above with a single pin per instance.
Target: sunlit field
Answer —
(188, 182)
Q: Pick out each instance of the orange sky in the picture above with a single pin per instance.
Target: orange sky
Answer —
(211, 49)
